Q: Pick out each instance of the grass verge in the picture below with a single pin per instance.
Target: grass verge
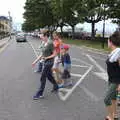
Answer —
(87, 43)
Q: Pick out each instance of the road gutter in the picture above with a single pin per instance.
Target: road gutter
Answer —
(3, 44)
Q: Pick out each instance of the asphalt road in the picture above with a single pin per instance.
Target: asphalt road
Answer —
(18, 83)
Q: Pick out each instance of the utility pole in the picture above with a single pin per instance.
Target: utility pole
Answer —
(10, 23)
(103, 27)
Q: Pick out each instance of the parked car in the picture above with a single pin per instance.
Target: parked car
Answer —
(21, 37)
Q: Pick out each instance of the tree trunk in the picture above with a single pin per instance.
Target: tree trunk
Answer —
(61, 28)
(73, 31)
(93, 31)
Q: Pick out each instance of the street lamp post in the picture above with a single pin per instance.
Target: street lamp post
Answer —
(103, 27)
(10, 20)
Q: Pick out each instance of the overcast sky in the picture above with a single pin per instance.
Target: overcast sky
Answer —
(15, 7)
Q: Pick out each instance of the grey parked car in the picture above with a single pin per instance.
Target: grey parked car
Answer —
(21, 37)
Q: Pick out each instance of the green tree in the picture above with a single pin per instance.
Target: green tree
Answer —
(58, 13)
(71, 16)
(39, 12)
(28, 26)
(92, 11)
(64, 13)
(114, 10)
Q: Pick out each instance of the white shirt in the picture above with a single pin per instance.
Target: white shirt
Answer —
(114, 55)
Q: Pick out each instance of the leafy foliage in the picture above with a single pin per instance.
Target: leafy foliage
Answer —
(114, 10)
(58, 13)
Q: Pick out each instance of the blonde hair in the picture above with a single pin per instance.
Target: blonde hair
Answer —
(56, 33)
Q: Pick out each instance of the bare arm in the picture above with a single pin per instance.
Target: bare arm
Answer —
(38, 58)
(119, 61)
(119, 84)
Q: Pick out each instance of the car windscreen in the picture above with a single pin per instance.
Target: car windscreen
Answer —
(20, 34)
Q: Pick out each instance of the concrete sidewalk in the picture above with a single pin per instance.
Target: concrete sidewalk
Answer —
(4, 41)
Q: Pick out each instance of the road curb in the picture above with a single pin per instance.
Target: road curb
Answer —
(96, 49)
(93, 49)
(4, 42)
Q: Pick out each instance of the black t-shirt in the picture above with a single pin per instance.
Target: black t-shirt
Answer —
(113, 70)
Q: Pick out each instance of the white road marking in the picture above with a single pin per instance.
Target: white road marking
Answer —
(104, 76)
(74, 65)
(64, 90)
(98, 58)
(33, 49)
(95, 63)
(75, 59)
(76, 75)
(70, 91)
(96, 52)
(90, 94)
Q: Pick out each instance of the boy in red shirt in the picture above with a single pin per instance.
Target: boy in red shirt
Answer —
(66, 62)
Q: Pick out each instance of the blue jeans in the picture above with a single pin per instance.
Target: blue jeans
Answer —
(40, 66)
